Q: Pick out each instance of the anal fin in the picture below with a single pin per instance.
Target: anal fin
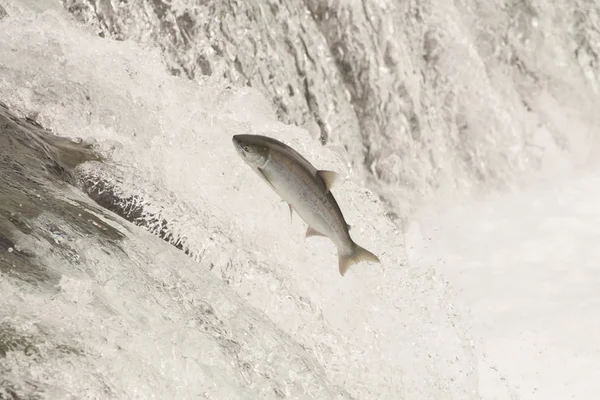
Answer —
(313, 232)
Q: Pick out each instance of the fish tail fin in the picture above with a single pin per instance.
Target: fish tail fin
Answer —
(357, 255)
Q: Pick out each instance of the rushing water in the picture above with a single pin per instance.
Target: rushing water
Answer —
(92, 306)
(418, 101)
(422, 95)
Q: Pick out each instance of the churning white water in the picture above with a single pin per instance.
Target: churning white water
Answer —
(493, 297)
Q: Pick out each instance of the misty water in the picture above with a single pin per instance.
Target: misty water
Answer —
(141, 258)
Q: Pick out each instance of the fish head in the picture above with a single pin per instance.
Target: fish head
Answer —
(252, 149)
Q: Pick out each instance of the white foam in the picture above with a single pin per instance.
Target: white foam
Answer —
(384, 329)
(528, 267)
(391, 330)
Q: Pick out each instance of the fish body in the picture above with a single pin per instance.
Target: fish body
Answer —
(306, 190)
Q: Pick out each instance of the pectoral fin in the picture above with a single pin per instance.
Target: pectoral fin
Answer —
(262, 175)
(291, 209)
(313, 232)
(329, 178)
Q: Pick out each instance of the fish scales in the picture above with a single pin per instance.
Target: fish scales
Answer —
(308, 196)
(306, 190)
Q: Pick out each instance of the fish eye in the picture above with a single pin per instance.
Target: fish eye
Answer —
(246, 148)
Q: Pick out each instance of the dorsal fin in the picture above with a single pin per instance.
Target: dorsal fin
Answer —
(329, 178)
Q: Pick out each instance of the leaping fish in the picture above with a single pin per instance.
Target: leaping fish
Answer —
(306, 190)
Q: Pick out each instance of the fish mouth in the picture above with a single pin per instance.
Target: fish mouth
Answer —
(236, 141)
(237, 144)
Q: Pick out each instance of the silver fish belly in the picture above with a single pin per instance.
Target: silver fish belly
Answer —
(309, 197)
(306, 190)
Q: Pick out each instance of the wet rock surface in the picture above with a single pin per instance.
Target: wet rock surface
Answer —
(393, 84)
